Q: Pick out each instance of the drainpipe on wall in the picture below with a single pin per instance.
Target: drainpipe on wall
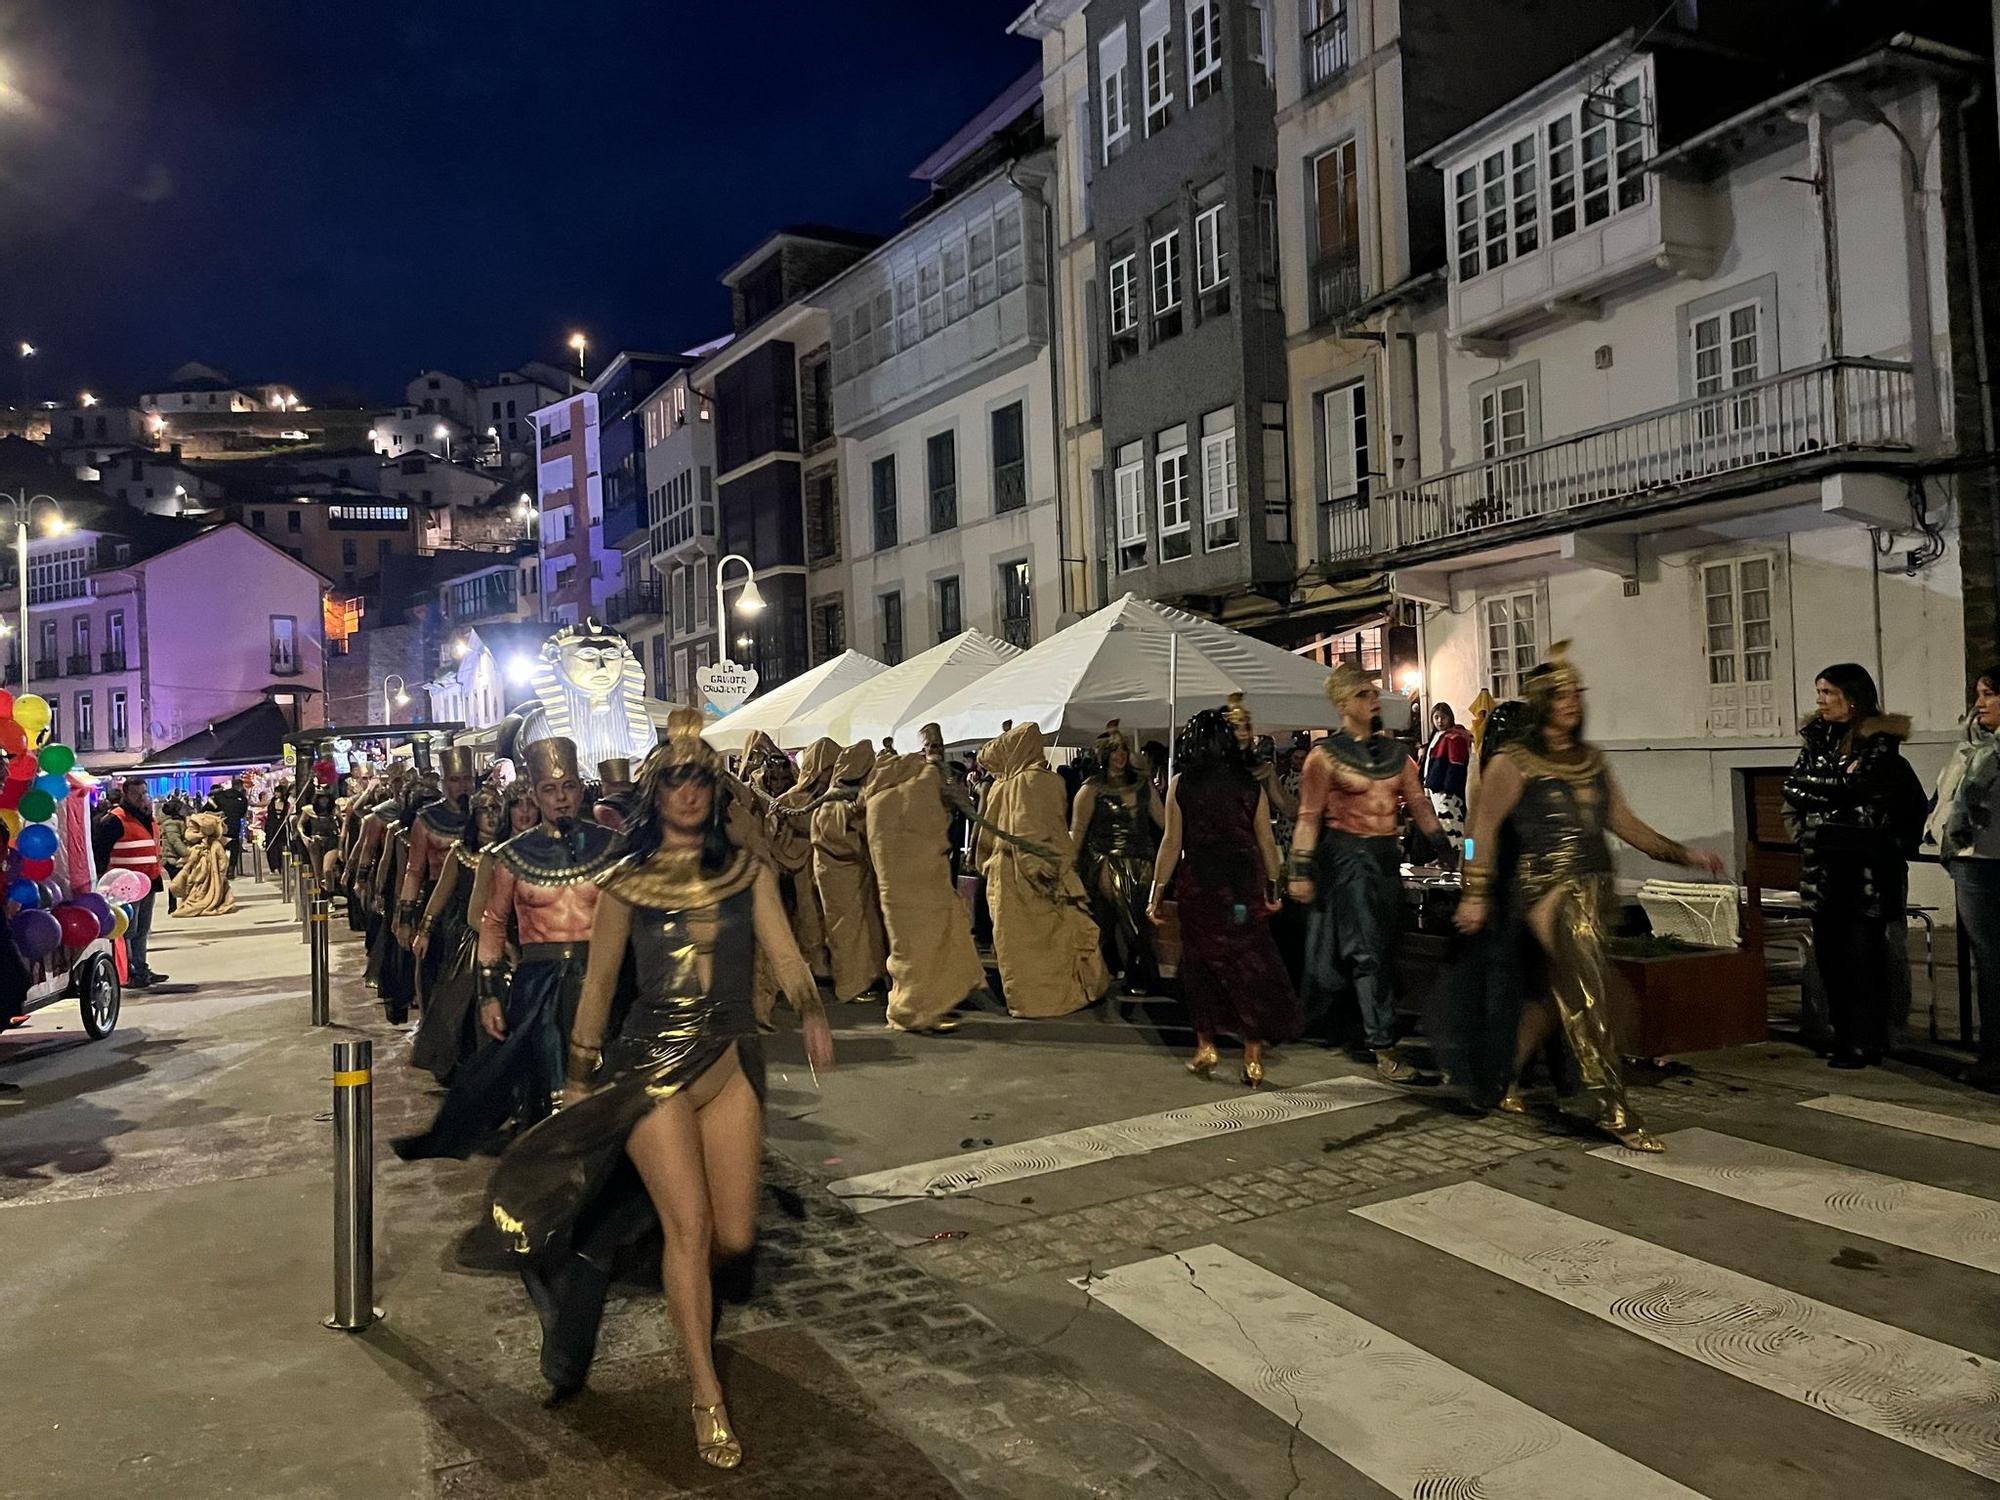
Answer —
(1067, 593)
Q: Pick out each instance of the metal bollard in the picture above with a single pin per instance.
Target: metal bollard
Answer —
(320, 948)
(305, 908)
(353, 1188)
(285, 876)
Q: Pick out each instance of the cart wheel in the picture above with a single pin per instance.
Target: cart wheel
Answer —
(98, 997)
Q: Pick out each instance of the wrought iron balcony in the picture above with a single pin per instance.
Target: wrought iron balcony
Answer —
(78, 664)
(1679, 451)
(1010, 487)
(1326, 50)
(45, 666)
(114, 661)
(1018, 630)
(631, 603)
(118, 741)
(1336, 285)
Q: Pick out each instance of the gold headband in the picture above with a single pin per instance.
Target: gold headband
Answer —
(1346, 680)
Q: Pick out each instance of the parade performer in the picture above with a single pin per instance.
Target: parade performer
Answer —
(1114, 825)
(589, 689)
(792, 852)
(201, 888)
(933, 967)
(1047, 945)
(1552, 789)
(664, 1099)
(450, 924)
(376, 817)
(544, 882)
(432, 834)
(857, 947)
(1231, 974)
(614, 794)
(391, 965)
(1347, 860)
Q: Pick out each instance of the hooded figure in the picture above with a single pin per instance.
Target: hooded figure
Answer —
(792, 852)
(856, 944)
(1051, 962)
(201, 886)
(932, 963)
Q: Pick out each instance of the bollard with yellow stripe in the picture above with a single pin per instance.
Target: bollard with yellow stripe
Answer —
(353, 1187)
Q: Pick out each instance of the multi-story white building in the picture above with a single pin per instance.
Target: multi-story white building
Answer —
(570, 507)
(943, 401)
(409, 429)
(1690, 393)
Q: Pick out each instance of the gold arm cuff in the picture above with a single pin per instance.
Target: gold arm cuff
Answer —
(1476, 881)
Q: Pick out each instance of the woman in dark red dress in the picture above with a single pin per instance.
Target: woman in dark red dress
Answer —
(1231, 974)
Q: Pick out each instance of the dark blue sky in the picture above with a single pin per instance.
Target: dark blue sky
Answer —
(339, 194)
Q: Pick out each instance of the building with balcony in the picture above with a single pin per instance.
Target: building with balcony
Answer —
(764, 392)
(1694, 393)
(144, 631)
(942, 400)
(1190, 360)
(682, 524)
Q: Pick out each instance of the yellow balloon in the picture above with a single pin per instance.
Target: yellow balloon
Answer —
(12, 818)
(119, 921)
(31, 712)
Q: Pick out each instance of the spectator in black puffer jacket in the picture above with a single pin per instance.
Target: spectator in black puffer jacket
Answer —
(1842, 797)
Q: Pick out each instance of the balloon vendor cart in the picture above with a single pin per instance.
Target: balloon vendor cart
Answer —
(66, 924)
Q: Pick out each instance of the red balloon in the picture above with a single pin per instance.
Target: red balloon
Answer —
(6, 704)
(38, 869)
(13, 738)
(79, 925)
(10, 793)
(23, 767)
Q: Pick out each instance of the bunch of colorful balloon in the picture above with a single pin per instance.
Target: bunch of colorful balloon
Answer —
(36, 784)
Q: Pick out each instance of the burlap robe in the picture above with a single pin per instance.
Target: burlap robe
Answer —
(792, 853)
(1051, 959)
(202, 885)
(856, 944)
(932, 964)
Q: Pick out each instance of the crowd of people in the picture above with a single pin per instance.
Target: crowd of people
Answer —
(592, 962)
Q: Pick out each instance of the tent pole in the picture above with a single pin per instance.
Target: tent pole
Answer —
(1173, 696)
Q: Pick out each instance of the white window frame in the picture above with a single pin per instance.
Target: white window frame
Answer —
(1734, 706)
(1534, 187)
(1211, 254)
(1156, 60)
(1504, 679)
(1129, 488)
(1123, 279)
(1220, 499)
(1170, 472)
(1494, 440)
(1166, 298)
(1204, 53)
(1726, 414)
(1345, 436)
(1114, 93)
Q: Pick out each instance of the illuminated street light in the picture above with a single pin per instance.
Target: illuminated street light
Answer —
(86, 399)
(24, 505)
(579, 343)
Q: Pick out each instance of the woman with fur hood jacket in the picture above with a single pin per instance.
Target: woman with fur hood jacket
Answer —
(1843, 796)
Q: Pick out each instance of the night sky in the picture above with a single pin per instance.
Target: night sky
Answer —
(340, 194)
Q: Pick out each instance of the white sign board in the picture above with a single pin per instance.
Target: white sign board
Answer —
(725, 685)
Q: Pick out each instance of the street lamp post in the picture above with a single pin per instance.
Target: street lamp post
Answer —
(579, 343)
(23, 506)
(750, 602)
(443, 434)
(402, 697)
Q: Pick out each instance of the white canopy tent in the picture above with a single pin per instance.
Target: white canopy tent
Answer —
(1145, 664)
(903, 694)
(770, 711)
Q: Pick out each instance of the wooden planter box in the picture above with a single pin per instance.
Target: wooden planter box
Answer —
(1691, 1002)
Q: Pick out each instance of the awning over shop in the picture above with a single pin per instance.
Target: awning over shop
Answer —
(1145, 664)
(903, 693)
(254, 737)
(774, 709)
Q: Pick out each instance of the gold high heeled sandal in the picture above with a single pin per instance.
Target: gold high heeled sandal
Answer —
(716, 1445)
(1204, 1060)
(1253, 1067)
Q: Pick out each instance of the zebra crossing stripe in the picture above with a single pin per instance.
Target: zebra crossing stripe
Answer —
(1410, 1422)
(1134, 1137)
(1913, 1215)
(1902, 1117)
(1916, 1391)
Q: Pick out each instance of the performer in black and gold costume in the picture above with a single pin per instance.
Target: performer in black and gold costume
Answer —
(447, 942)
(667, 1098)
(1551, 789)
(1115, 826)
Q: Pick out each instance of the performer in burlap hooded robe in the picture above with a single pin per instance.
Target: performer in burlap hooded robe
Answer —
(792, 852)
(856, 943)
(932, 963)
(1051, 961)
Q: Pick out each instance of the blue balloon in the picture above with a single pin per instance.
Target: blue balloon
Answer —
(56, 786)
(23, 893)
(37, 841)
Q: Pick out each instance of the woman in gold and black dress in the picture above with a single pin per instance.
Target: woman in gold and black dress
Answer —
(446, 1034)
(672, 1093)
(1115, 826)
(1553, 792)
